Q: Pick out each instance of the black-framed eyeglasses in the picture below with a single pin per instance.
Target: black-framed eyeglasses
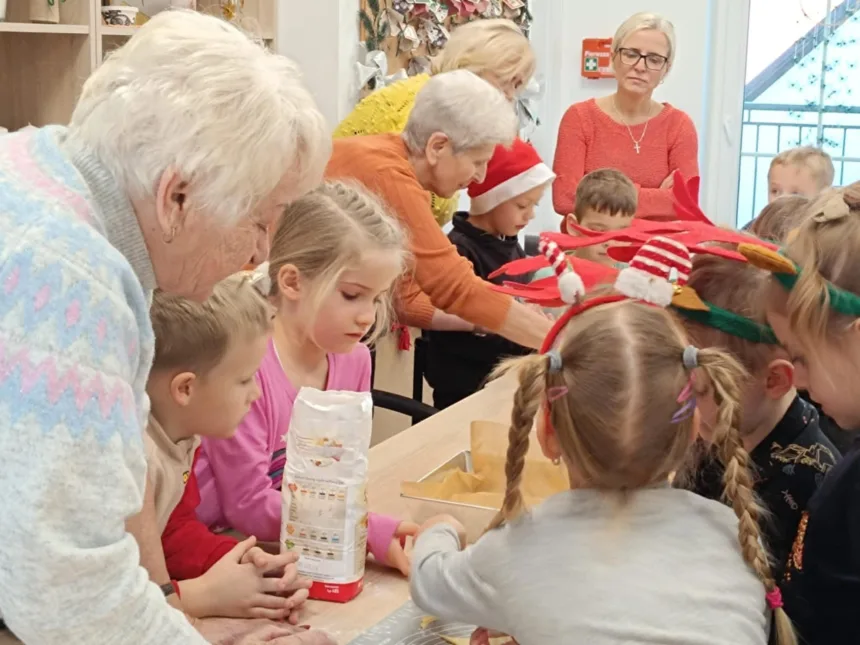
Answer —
(631, 57)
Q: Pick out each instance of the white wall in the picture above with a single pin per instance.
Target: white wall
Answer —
(706, 82)
(557, 34)
(322, 37)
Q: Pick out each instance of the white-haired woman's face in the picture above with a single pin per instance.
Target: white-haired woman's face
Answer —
(454, 171)
(641, 62)
(193, 251)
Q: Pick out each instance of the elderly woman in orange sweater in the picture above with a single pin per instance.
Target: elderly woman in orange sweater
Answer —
(493, 48)
(452, 131)
(629, 130)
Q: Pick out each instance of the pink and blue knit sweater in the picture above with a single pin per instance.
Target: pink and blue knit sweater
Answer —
(76, 346)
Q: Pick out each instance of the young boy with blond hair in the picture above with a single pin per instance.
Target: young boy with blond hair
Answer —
(805, 171)
(606, 200)
(203, 383)
(780, 431)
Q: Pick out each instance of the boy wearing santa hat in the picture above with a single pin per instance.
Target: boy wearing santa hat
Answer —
(501, 206)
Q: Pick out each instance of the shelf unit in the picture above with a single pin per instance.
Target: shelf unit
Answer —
(44, 66)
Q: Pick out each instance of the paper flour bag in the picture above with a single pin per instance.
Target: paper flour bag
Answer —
(324, 516)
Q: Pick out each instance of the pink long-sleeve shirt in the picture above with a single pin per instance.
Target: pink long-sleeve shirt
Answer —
(589, 139)
(240, 478)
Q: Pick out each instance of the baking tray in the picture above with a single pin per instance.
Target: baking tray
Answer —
(475, 518)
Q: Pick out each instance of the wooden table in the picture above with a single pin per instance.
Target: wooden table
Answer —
(404, 457)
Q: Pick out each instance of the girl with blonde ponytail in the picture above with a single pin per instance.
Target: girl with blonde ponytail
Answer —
(814, 309)
(621, 557)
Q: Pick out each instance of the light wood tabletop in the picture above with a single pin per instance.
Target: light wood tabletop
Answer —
(405, 457)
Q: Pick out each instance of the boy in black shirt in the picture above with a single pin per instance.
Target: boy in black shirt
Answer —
(502, 205)
(780, 430)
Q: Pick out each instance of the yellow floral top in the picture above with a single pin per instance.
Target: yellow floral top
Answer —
(387, 110)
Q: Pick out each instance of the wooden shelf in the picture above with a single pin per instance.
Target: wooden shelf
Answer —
(39, 28)
(41, 75)
(113, 30)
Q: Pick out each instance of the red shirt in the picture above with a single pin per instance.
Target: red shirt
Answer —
(589, 139)
(190, 548)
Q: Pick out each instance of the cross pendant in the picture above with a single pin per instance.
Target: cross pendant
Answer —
(636, 145)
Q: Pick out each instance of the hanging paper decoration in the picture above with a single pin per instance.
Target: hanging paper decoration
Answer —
(414, 30)
(420, 27)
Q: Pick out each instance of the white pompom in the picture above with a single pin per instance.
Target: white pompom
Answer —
(571, 287)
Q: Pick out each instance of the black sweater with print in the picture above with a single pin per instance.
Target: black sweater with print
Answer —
(821, 587)
(791, 464)
(458, 363)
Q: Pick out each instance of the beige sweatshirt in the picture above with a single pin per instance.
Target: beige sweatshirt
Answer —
(168, 468)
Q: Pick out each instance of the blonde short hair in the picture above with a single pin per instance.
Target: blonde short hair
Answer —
(193, 93)
(780, 217)
(328, 230)
(814, 159)
(495, 46)
(467, 109)
(645, 21)
(195, 336)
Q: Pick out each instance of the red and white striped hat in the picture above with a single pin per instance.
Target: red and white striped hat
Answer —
(657, 268)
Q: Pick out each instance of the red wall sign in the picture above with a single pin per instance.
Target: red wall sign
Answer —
(597, 58)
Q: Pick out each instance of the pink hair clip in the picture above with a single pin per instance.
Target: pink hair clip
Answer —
(555, 393)
(774, 598)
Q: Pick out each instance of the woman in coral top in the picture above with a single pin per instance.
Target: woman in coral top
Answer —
(629, 130)
(494, 49)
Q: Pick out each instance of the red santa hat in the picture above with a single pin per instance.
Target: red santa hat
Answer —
(511, 172)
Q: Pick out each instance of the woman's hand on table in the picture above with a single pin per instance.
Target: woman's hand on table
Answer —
(228, 631)
(482, 636)
(397, 556)
(235, 588)
(276, 635)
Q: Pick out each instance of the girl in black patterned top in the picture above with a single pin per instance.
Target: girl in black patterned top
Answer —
(814, 308)
(780, 430)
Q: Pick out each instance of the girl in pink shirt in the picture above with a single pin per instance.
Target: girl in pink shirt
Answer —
(334, 258)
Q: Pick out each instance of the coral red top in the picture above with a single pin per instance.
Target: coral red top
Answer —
(589, 139)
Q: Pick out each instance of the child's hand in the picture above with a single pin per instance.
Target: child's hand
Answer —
(445, 519)
(235, 590)
(281, 567)
(482, 637)
(397, 556)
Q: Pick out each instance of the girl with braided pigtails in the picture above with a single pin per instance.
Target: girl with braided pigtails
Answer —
(814, 310)
(622, 557)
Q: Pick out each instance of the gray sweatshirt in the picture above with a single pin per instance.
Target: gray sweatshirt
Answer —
(581, 569)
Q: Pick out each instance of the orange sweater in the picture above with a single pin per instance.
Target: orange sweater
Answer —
(589, 139)
(381, 163)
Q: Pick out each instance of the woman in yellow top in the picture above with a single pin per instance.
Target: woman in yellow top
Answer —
(494, 49)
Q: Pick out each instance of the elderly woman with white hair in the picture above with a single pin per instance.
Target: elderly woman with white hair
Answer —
(628, 130)
(495, 49)
(181, 152)
(456, 123)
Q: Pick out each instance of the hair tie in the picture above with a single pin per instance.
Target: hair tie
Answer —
(260, 279)
(554, 361)
(774, 598)
(691, 357)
